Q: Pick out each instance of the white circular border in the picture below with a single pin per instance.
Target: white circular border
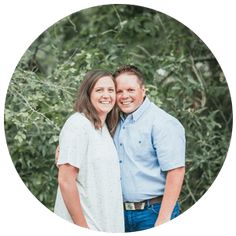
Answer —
(22, 22)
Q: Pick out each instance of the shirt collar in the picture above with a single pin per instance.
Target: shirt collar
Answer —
(136, 114)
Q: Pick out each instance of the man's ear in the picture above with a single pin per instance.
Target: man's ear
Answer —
(144, 90)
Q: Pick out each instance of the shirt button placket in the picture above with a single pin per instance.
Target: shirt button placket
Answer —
(121, 146)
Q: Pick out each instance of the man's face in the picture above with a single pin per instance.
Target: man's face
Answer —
(129, 92)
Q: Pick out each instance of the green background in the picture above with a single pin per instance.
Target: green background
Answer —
(182, 76)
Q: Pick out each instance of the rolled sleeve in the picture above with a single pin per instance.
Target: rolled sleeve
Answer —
(169, 143)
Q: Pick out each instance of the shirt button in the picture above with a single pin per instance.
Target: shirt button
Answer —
(120, 144)
(124, 127)
(120, 161)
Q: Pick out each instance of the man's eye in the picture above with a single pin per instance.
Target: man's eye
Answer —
(111, 90)
(130, 90)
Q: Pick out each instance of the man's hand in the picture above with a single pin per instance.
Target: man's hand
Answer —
(57, 154)
(161, 221)
(174, 181)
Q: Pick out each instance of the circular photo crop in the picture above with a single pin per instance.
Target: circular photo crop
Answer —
(114, 109)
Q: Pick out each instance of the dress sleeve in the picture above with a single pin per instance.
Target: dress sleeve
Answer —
(73, 142)
(169, 144)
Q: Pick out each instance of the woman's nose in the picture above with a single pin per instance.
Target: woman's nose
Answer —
(105, 94)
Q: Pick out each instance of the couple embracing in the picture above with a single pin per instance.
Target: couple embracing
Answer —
(121, 159)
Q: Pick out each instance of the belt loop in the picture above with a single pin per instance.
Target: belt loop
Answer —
(148, 203)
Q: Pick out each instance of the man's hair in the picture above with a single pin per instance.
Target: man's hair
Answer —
(84, 105)
(131, 70)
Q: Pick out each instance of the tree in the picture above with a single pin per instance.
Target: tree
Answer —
(182, 76)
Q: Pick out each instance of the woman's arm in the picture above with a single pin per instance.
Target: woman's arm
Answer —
(67, 183)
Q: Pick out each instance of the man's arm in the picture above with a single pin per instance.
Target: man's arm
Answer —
(174, 181)
(67, 182)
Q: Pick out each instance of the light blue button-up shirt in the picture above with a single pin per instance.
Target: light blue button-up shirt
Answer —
(149, 142)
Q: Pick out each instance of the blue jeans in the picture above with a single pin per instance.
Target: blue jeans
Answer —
(145, 219)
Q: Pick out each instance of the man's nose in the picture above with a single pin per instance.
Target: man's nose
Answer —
(124, 95)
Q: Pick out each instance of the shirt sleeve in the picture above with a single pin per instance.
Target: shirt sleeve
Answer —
(169, 143)
(73, 142)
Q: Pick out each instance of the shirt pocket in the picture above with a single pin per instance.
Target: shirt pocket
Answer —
(142, 146)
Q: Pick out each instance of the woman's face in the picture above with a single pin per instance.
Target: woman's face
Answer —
(103, 95)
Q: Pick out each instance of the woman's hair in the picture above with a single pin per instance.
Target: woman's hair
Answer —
(83, 103)
(131, 70)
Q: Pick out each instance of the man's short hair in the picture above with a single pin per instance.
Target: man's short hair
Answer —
(130, 69)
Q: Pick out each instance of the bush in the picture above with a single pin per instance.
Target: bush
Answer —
(182, 77)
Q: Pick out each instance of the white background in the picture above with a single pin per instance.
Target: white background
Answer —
(21, 22)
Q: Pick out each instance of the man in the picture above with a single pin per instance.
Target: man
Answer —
(151, 150)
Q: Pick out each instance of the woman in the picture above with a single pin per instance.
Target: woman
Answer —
(89, 192)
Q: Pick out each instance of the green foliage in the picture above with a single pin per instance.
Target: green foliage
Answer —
(182, 77)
